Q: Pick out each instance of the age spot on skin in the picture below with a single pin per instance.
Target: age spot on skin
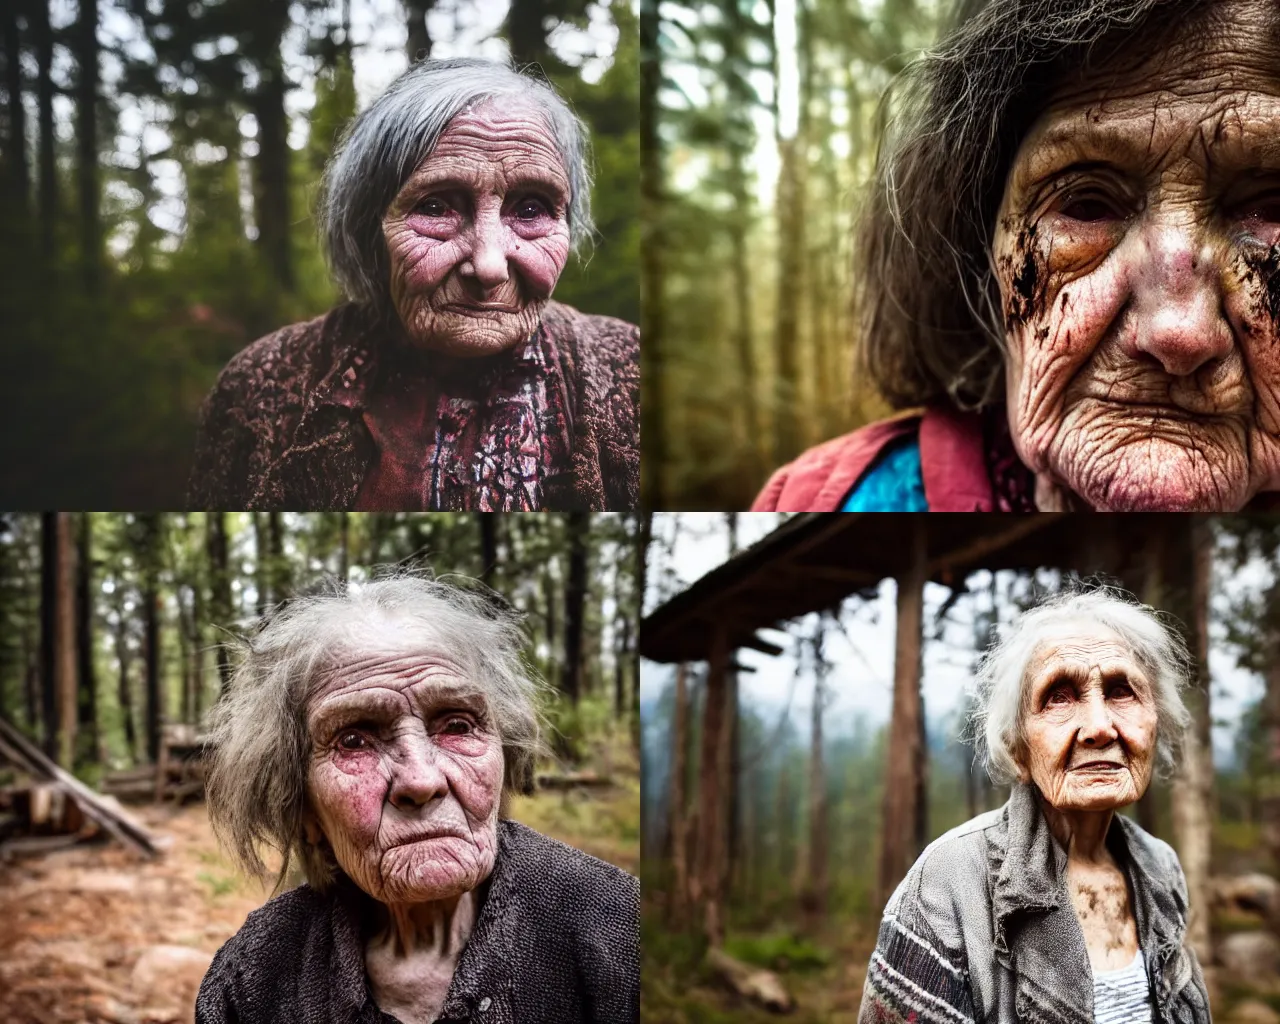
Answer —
(1023, 267)
(1263, 269)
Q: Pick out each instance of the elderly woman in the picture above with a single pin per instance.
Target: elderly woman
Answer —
(1071, 282)
(1054, 907)
(373, 737)
(450, 380)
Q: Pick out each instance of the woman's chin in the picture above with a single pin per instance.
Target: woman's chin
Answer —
(1156, 475)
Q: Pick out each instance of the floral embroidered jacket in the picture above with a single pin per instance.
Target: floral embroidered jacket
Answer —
(552, 425)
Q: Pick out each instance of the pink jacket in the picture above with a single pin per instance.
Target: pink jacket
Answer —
(951, 461)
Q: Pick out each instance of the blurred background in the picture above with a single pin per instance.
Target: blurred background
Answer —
(113, 891)
(158, 165)
(759, 121)
(769, 842)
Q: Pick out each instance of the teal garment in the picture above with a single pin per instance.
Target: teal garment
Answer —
(894, 483)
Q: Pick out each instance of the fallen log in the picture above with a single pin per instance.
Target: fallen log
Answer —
(571, 780)
(755, 983)
(16, 748)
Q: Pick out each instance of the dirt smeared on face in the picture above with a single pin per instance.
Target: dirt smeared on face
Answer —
(1024, 268)
(1262, 269)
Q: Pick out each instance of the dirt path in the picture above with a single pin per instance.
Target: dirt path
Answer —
(94, 934)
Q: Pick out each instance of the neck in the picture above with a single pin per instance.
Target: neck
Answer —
(1083, 834)
(441, 927)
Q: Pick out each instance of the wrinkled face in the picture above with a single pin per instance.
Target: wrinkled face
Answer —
(405, 777)
(479, 234)
(1137, 254)
(1089, 718)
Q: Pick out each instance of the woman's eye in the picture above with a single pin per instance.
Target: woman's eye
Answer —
(433, 207)
(530, 209)
(458, 727)
(352, 739)
(1121, 690)
(1089, 207)
(1059, 696)
(1264, 210)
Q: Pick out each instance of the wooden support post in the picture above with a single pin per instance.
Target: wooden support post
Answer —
(904, 771)
(679, 905)
(711, 846)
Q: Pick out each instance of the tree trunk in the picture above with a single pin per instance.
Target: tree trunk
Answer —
(184, 650)
(418, 45)
(488, 545)
(49, 633)
(575, 597)
(197, 648)
(16, 146)
(904, 772)
(710, 844)
(42, 34)
(86, 48)
(620, 659)
(271, 178)
(65, 643)
(88, 703)
(124, 693)
(679, 905)
(261, 574)
(219, 587)
(344, 546)
(526, 32)
(652, 270)
(281, 581)
(1191, 559)
(816, 894)
(150, 557)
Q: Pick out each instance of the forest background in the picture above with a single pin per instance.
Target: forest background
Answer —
(158, 166)
(759, 123)
(804, 900)
(110, 648)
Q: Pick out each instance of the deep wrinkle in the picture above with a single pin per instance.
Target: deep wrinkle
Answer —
(1089, 726)
(479, 234)
(1136, 254)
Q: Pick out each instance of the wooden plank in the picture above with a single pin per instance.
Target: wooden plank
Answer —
(23, 752)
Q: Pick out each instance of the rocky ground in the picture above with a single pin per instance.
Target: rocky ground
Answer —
(95, 935)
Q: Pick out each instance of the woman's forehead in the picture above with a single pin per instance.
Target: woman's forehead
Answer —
(408, 672)
(1218, 70)
(1081, 641)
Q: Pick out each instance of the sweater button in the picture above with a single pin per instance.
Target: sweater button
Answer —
(485, 1003)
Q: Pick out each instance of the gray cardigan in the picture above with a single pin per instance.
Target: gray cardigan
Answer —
(982, 928)
(557, 941)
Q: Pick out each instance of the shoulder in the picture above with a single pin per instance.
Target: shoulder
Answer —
(597, 341)
(947, 880)
(265, 956)
(552, 870)
(279, 925)
(821, 478)
(284, 361)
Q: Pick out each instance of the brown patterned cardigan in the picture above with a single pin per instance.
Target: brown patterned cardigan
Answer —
(283, 426)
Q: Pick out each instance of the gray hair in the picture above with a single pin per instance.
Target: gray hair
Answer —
(929, 303)
(259, 744)
(999, 691)
(381, 148)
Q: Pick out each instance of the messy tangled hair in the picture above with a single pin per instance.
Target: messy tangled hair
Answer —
(384, 145)
(256, 785)
(931, 328)
(999, 691)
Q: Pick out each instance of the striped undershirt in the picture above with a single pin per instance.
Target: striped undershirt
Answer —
(1123, 996)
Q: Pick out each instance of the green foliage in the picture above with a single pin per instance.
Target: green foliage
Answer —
(778, 952)
(112, 378)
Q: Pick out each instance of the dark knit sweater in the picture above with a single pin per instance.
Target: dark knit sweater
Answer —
(283, 427)
(557, 940)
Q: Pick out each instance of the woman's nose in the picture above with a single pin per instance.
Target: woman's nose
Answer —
(416, 778)
(488, 261)
(1096, 728)
(1179, 320)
